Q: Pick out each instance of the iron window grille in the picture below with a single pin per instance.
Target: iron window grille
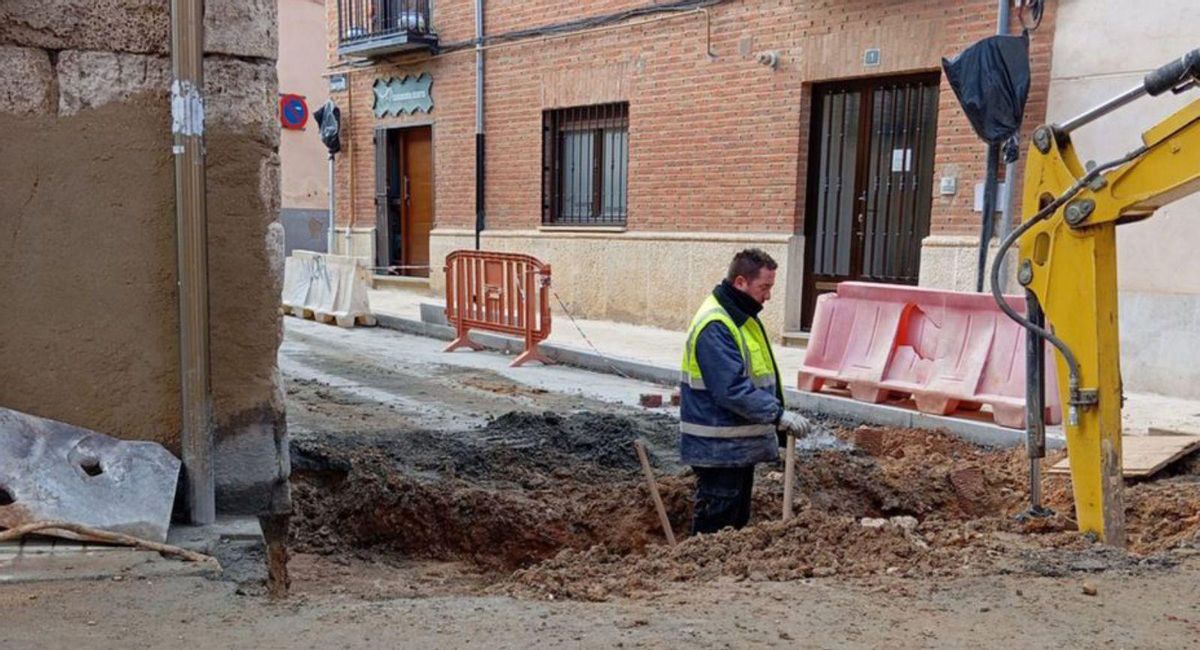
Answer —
(585, 165)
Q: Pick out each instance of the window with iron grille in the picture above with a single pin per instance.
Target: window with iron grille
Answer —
(585, 165)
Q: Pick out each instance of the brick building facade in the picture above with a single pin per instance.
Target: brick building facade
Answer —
(717, 142)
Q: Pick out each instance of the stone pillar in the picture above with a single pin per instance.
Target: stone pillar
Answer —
(87, 252)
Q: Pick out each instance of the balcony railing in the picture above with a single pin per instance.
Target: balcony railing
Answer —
(377, 27)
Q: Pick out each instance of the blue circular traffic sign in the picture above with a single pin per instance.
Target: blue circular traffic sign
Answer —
(293, 111)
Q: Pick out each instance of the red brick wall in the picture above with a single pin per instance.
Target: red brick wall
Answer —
(715, 145)
(957, 144)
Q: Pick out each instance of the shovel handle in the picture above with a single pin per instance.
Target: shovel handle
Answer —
(789, 475)
(640, 447)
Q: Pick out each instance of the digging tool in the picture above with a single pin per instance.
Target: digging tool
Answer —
(817, 438)
(1068, 253)
(640, 447)
(789, 475)
(1035, 408)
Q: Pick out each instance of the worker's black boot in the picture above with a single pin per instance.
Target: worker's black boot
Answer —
(722, 498)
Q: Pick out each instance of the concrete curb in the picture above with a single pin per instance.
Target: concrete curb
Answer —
(432, 312)
(567, 356)
(207, 539)
(34, 560)
(981, 433)
(410, 326)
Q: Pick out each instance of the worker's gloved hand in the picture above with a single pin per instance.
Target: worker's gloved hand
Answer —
(794, 424)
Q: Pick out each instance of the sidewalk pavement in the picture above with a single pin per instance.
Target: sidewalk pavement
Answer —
(657, 349)
(636, 343)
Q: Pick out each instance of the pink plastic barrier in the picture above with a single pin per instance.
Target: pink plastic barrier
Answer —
(949, 351)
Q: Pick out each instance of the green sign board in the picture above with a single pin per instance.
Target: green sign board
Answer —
(403, 95)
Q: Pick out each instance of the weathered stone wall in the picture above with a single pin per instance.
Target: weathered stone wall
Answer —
(89, 328)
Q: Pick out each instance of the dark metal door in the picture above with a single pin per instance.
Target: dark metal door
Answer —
(397, 196)
(383, 200)
(390, 193)
(870, 182)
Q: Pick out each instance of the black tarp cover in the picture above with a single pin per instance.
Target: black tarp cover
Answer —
(991, 81)
(329, 117)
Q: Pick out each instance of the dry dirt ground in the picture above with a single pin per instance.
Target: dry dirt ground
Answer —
(447, 506)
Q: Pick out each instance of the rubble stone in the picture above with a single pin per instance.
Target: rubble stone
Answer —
(651, 400)
(89, 80)
(26, 81)
(240, 97)
(138, 26)
(241, 28)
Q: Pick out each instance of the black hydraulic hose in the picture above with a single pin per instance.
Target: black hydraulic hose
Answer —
(1012, 313)
(1072, 362)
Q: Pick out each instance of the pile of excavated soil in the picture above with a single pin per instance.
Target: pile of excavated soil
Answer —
(555, 506)
(920, 504)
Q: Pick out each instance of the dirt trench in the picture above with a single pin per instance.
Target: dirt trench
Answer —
(554, 506)
(502, 497)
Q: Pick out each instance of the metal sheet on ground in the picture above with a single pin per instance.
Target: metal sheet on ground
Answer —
(51, 471)
(1145, 455)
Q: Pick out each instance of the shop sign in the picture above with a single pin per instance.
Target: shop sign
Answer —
(403, 95)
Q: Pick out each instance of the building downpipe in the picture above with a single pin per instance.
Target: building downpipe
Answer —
(1010, 169)
(187, 128)
(479, 133)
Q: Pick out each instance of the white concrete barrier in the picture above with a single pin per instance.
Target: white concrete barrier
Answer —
(327, 288)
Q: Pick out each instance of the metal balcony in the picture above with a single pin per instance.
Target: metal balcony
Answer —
(373, 28)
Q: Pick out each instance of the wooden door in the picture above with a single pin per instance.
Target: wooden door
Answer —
(870, 182)
(417, 212)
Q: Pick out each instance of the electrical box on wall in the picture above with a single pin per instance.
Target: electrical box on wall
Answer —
(948, 186)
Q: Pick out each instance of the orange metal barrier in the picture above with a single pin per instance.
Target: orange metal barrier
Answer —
(507, 293)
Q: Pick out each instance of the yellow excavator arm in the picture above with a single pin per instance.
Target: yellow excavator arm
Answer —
(1068, 266)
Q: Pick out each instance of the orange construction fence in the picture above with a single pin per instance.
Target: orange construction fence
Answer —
(508, 293)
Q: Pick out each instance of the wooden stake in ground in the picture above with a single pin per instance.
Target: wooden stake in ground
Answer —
(640, 447)
(789, 475)
(275, 532)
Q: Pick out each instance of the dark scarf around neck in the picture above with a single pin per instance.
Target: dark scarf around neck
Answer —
(740, 305)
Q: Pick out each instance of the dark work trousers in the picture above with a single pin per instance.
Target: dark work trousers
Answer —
(722, 498)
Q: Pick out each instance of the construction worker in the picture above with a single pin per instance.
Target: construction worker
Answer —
(731, 414)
